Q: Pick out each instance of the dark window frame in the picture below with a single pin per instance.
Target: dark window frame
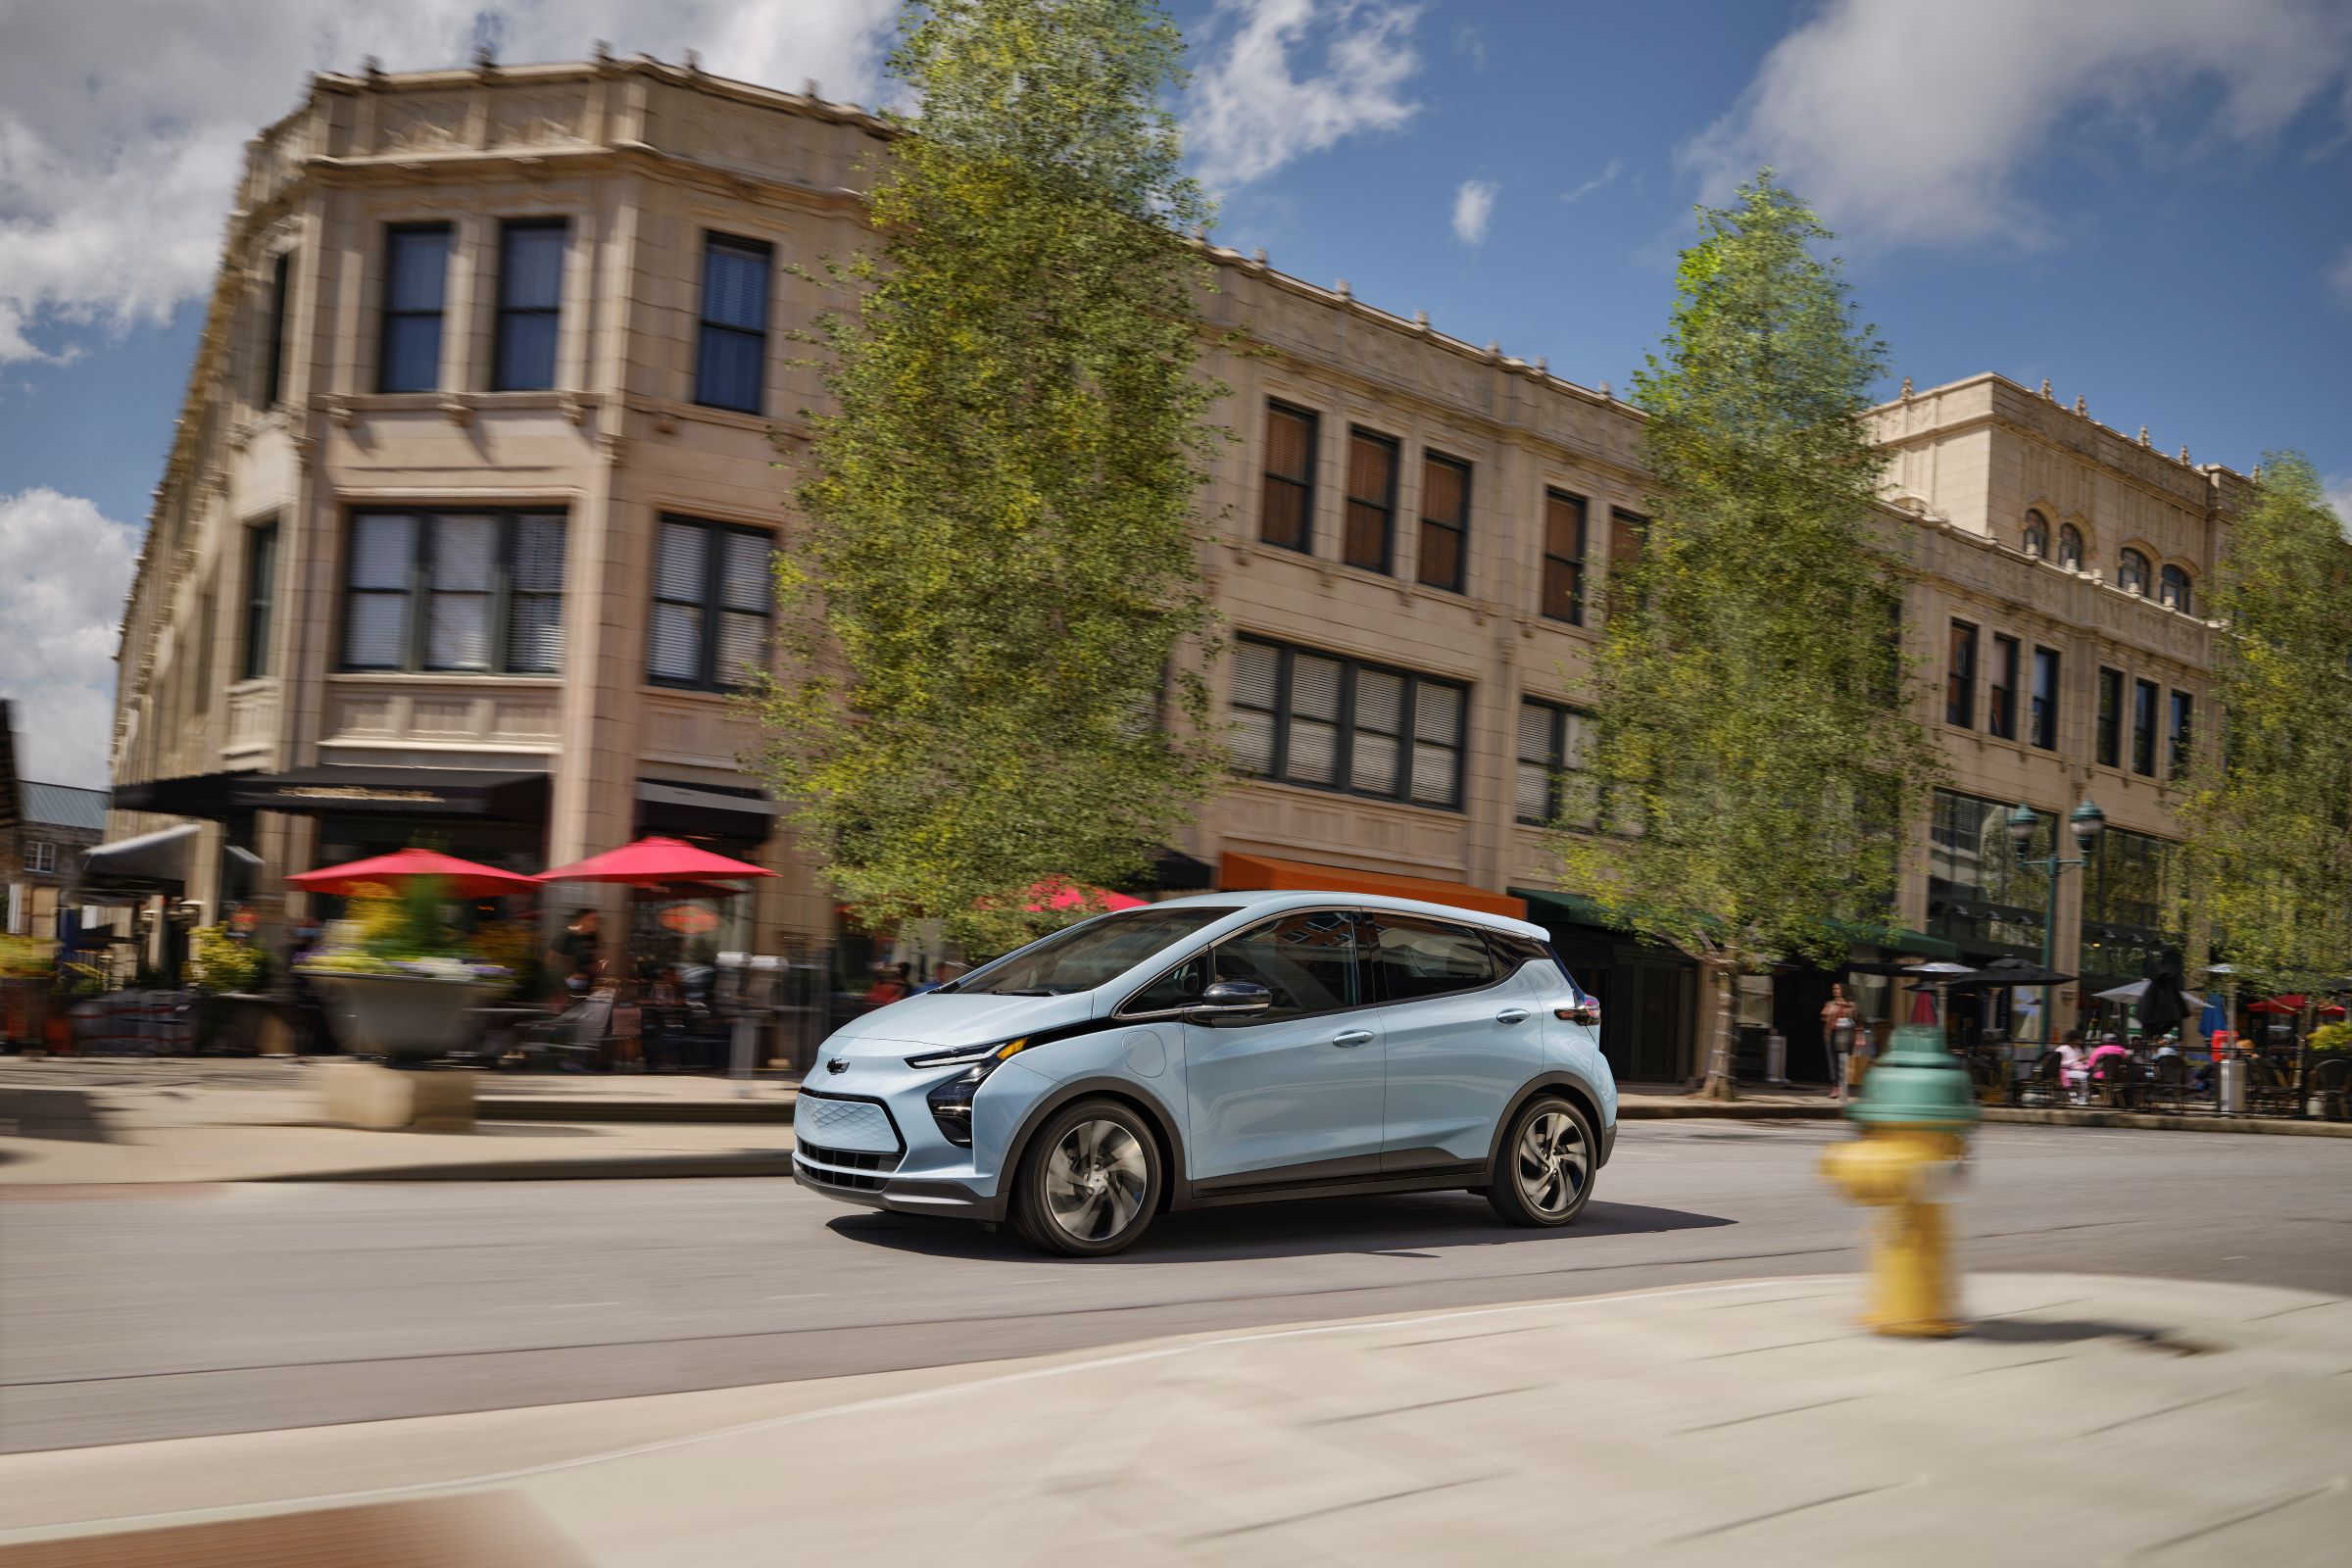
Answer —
(2000, 697)
(1628, 528)
(2109, 742)
(2069, 544)
(1572, 567)
(2176, 589)
(273, 373)
(2035, 538)
(1554, 761)
(417, 628)
(1432, 459)
(502, 371)
(257, 624)
(2049, 672)
(1959, 682)
(1304, 544)
(1408, 737)
(1386, 508)
(2144, 719)
(394, 233)
(2125, 571)
(713, 243)
(712, 604)
(2180, 721)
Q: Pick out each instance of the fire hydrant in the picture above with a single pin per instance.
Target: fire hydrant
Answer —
(1914, 1113)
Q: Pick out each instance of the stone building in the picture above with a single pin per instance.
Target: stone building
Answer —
(465, 526)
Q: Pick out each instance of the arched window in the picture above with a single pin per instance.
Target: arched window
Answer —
(2069, 546)
(2132, 572)
(2172, 591)
(2037, 535)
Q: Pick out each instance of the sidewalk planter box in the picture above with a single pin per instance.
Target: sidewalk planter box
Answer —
(380, 1099)
(402, 1018)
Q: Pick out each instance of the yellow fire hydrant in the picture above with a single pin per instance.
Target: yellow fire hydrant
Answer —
(1913, 1114)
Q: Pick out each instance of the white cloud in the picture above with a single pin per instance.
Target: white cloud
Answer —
(2339, 496)
(1606, 177)
(1913, 121)
(63, 570)
(1473, 209)
(122, 124)
(1250, 114)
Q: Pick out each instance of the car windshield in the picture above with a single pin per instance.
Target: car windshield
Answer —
(1087, 955)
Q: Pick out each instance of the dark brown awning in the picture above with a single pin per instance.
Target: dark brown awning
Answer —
(393, 792)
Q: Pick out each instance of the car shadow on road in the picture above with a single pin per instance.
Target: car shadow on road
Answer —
(1383, 1227)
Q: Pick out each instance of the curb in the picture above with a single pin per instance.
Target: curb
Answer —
(1728, 1110)
(2153, 1121)
(649, 1169)
(552, 1108)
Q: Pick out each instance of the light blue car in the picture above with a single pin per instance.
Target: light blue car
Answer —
(1226, 1049)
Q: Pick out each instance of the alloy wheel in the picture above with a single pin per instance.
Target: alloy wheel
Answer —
(1552, 1163)
(1095, 1180)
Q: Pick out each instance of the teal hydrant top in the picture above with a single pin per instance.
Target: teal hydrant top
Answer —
(1917, 1083)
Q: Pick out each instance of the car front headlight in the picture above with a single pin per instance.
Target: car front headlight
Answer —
(950, 1100)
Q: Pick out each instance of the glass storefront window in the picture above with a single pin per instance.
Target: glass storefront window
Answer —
(1977, 891)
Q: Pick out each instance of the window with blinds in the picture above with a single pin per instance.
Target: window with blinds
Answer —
(465, 592)
(712, 600)
(1563, 556)
(415, 272)
(1444, 521)
(1287, 502)
(730, 365)
(1329, 722)
(1371, 533)
(1552, 745)
(530, 298)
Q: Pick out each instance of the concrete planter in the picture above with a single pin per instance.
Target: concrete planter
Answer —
(400, 1017)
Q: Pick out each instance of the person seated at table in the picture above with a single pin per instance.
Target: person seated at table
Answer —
(2074, 1062)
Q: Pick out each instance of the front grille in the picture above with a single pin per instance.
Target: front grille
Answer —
(857, 1170)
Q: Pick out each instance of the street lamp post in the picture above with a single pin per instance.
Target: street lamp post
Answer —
(2088, 823)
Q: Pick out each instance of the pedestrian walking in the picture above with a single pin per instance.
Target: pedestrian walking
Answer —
(576, 956)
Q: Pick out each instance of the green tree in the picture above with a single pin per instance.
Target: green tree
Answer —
(1002, 564)
(1753, 759)
(2267, 815)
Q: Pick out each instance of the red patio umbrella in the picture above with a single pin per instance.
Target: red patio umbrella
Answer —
(464, 879)
(1923, 1007)
(1054, 894)
(2277, 1005)
(656, 863)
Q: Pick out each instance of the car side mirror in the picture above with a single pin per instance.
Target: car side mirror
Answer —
(1229, 999)
(1587, 1012)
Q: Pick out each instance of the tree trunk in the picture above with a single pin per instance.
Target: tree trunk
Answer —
(1720, 1084)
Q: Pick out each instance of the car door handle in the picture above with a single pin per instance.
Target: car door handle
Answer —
(1511, 1016)
(1349, 1039)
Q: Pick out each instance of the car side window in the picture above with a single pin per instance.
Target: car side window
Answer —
(1514, 952)
(1180, 987)
(1307, 960)
(1416, 959)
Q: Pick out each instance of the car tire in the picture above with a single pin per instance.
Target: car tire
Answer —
(1091, 1181)
(1545, 1167)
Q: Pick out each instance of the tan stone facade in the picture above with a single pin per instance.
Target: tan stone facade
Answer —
(1400, 443)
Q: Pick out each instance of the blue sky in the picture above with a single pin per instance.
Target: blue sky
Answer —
(2148, 201)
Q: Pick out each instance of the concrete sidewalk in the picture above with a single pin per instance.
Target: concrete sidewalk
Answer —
(2084, 1418)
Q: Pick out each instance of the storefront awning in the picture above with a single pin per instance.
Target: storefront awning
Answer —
(701, 811)
(1237, 872)
(151, 863)
(393, 792)
(203, 795)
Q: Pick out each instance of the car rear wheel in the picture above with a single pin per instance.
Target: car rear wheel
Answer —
(1543, 1171)
(1091, 1181)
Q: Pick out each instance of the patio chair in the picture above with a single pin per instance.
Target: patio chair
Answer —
(2114, 1081)
(2171, 1082)
(2330, 1087)
(2042, 1084)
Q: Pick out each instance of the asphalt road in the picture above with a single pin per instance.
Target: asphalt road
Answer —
(141, 1312)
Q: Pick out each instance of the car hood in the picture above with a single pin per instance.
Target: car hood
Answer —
(946, 1021)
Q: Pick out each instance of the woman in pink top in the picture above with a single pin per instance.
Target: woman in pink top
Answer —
(2074, 1064)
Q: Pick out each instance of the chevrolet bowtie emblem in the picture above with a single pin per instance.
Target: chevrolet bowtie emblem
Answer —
(837, 1066)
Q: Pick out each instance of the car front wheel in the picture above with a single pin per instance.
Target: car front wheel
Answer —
(1543, 1172)
(1091, 1181)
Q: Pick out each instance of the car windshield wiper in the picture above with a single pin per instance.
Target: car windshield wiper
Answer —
(1029, 991)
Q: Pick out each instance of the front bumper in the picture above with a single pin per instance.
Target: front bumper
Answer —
(885, 1151)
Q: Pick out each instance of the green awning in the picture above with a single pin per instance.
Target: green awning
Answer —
(1576, 908)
